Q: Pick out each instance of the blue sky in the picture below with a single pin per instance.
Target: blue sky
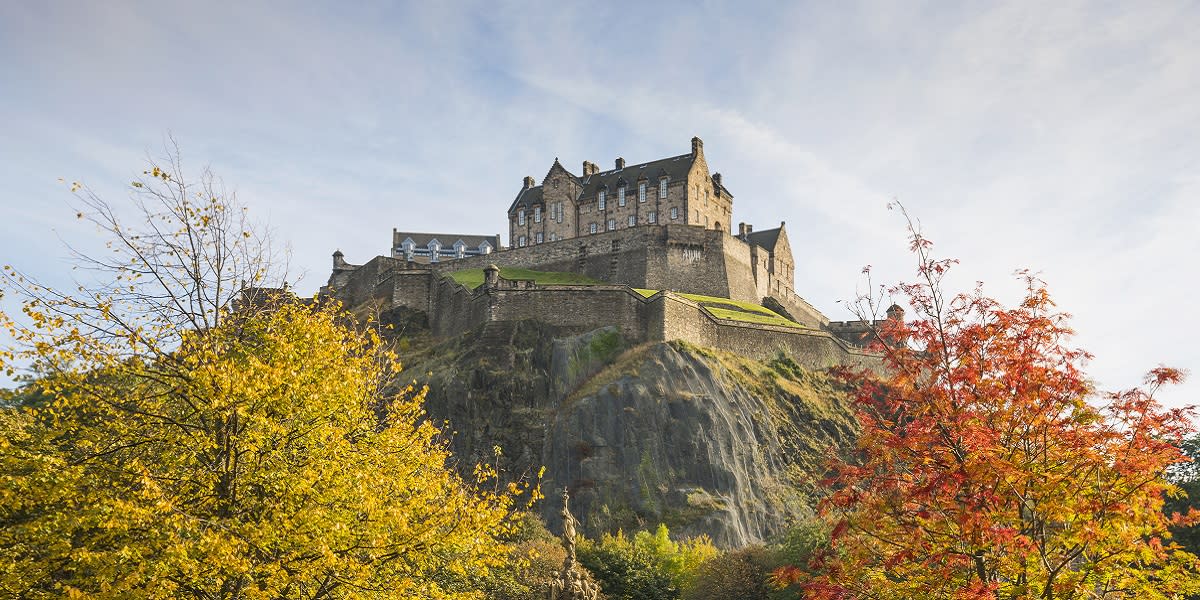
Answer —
(1061, 137)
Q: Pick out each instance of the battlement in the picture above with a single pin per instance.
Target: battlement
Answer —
(658, 225)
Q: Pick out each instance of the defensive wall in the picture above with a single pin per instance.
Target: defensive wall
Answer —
(663, 257)
(661, 317)
(668, 257)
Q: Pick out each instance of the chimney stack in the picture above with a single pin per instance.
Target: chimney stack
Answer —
(590, 168)
(697, 146)
(528, 182)
(717, 179)
(620, 163)
(744, 230)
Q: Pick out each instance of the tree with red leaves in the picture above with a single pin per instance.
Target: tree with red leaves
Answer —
(989, 468)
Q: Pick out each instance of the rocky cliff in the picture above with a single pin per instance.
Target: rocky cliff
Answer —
(701, 440)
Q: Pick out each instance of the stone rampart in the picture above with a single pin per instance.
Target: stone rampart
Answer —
(661, 317)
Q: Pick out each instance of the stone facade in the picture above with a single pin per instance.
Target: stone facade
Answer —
(661, 225)
(677, 190)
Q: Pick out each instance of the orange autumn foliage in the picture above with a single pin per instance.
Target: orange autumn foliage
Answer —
(989, 468)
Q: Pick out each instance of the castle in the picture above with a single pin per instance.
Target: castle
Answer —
(650, 239)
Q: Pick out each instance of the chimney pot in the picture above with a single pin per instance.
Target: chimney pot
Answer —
(620, 163)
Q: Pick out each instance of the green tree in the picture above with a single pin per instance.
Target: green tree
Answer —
(649, 566)
(195, 438)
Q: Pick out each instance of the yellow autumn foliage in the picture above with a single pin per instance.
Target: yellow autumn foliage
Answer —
(173, 444)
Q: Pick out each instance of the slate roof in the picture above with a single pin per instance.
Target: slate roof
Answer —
(447, 240)
(675, 168)
(766, 238)
(527, 197)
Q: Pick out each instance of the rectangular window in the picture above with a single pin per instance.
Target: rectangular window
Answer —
(641, 191)
(537, 214)
(600, 201)
(632, 220)
(553, 236)
(674, 213)
(538, 237)
(612, 224)
(662, 187)
(591, 228)
(520, 217)
(621, 196)
(521, 241)
(652, 217)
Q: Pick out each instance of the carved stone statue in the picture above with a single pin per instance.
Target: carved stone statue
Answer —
(571, 584)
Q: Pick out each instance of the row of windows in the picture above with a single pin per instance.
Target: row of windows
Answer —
(651, 217)
(602, 195)
(556, 214)
(556, 210)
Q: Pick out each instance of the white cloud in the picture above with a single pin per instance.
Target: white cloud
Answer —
(1058, 137)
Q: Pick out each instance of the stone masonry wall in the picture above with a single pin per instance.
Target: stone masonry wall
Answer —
(662, 317)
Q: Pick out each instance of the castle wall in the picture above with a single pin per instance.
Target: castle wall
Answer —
(370, 281)
(686, 321)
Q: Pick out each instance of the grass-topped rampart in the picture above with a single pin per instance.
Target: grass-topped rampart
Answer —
(473, 278)
(721, 308)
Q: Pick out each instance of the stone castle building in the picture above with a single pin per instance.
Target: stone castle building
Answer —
(678, 189)
(661, 226)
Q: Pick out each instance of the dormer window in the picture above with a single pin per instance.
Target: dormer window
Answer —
(621, 196)
(521, 217)
(410, 249)
(434, 248)
(662, 187)
(600, 197)
(641, 191)
(485, 248)
(537, 214)
(460, 249)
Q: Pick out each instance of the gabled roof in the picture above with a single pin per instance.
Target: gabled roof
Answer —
(766, 238)
(421, 240)
(527, 197)
(676, 168)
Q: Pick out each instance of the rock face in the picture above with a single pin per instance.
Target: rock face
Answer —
(703, 441)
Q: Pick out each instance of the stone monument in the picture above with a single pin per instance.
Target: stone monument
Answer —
(571, 583)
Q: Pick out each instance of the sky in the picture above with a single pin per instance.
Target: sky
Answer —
(1059, 137)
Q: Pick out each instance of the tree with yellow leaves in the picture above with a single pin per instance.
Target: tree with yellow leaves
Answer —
(181, 439)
